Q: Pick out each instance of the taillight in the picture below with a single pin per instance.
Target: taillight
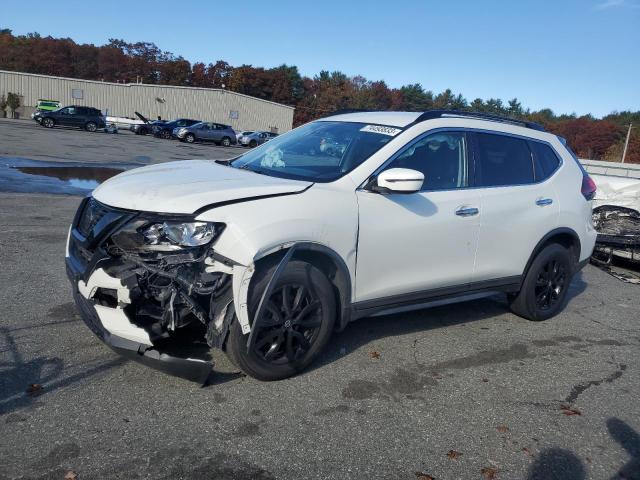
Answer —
(588, 187)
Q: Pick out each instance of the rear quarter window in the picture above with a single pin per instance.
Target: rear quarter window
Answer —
(545, 159)
(502, 160)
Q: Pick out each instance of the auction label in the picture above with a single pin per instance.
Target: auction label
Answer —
(392, 132)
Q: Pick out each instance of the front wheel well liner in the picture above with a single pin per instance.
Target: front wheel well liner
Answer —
(329, 263)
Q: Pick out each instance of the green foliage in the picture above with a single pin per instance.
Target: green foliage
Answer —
(13, 102)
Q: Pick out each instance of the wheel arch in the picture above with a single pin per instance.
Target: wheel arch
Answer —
(564, 236)
(329, 262)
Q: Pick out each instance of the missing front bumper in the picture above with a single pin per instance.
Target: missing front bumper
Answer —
(192, 364)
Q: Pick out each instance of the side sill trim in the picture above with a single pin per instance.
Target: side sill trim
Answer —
(369, 307)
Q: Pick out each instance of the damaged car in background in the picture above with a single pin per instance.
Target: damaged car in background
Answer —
(616, 217)
(265, 255)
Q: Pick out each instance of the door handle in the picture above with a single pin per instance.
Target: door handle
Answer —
(467, 211)
(542, 202)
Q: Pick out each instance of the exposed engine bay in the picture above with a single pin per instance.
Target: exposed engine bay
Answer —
(156, 283)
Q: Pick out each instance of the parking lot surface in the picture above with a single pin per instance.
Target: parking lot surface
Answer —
(463, 391)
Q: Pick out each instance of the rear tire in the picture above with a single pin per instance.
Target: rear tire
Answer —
(297, 323)
(165, 134)
(48, 122)
(91, 127)
(544, 290)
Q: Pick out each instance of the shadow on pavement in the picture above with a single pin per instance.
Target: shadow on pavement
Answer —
(17, 374)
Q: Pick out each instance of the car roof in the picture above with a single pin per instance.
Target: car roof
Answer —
(394, 119)
(404, 119)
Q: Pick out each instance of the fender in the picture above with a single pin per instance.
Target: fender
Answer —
(545, 239)
(291, 250)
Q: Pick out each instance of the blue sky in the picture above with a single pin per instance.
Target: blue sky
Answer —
(568, 55)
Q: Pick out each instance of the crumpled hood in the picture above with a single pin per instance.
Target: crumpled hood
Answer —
(186, 186)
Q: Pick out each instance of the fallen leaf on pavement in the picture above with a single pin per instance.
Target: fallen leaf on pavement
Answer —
(375, 355)
(424, 476)
(489, 472)
(502, 429)
(568, 410)
(527, 451)
(485, 380)
(70, 475)
(35, 389)
(453, 454)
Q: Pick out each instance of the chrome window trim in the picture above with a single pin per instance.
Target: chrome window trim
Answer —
(393, 157)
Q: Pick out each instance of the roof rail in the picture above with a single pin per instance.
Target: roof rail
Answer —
(431, 114)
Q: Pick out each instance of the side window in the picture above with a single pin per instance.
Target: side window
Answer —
(71, 111)
(441, 157)
(181, 123)
(545, 160)
(503, 160)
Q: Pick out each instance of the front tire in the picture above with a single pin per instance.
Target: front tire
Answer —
(91, 127)
(296, 325)
(544, 290)
(48, 122)
(226, 142)
(189, 138)
(253, 144)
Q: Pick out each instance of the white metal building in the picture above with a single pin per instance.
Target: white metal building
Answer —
(168, 102)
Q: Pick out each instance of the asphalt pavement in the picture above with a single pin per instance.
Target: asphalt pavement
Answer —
(465, 391)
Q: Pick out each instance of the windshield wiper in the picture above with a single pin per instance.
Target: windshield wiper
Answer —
(246, 167)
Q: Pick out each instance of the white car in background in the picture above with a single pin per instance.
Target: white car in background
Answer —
(265, 255)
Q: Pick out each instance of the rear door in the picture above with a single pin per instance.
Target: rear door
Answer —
(518, 205)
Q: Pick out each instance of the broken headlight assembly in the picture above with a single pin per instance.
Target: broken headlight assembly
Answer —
(184, 234)
(144, 234)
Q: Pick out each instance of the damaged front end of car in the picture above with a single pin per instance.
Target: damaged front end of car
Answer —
(151, 286)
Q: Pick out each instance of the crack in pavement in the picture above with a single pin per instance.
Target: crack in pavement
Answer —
(578, 389)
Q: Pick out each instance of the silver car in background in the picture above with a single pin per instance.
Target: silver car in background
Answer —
(256, 138)
(244, 133)
(207, 132)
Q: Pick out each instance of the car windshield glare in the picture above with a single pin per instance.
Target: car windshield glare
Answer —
(320, 151)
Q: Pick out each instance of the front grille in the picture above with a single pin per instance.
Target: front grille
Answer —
(91, 214)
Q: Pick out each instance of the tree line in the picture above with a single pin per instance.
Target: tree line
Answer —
(326, 92)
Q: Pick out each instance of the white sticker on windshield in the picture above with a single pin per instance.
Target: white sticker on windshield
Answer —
(392, 132)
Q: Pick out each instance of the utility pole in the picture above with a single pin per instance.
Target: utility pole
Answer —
(626, 143)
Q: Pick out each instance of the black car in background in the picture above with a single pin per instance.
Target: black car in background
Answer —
(88, 118)
(164, 130)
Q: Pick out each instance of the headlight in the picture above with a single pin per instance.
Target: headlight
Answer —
(185, 234)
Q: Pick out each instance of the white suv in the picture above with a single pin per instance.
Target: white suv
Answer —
(264, 256)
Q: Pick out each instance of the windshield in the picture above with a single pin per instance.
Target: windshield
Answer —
(317, 152)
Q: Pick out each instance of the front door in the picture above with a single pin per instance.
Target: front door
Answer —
(412, 243)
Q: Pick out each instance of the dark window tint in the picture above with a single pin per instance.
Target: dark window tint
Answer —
(546, 160)
(441, 157)
(502, 160)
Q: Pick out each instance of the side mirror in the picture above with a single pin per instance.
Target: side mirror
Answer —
(399, 180)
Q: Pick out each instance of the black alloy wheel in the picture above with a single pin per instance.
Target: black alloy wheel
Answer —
(543, 292)
(296, 323)
(550, 284)
(290, 325)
